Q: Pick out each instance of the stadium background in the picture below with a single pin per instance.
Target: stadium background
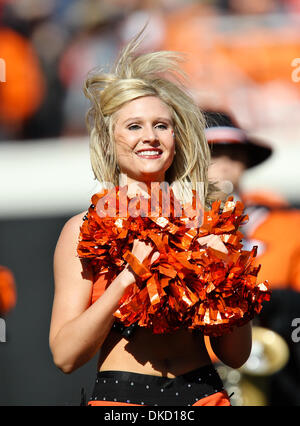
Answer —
(241, 56)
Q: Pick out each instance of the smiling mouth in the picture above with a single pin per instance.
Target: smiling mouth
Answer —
(151, 154)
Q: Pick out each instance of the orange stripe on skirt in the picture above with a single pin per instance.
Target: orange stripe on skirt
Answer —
(218, 399)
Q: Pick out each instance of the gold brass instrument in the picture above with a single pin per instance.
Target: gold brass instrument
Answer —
(269, 354)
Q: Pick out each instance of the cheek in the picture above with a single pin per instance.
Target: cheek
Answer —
(170, 144)
(124, 144)
(170, 148)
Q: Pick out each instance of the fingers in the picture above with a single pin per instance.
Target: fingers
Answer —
(205, 240)
(141, 250)
(155, 256)
(213, 241)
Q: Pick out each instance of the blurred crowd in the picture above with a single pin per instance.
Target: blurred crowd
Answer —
(239, 52)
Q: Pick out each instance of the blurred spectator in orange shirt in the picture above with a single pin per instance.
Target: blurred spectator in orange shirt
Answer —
(22, 92)
(42, 29)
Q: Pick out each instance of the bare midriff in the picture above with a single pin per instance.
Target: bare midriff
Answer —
(167, 355)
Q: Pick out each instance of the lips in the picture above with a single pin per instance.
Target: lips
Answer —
(149, 153)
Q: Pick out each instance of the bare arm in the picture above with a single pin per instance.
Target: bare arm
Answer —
(234, 348)
(78, 329)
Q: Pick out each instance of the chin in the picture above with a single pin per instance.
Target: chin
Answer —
(149, 178)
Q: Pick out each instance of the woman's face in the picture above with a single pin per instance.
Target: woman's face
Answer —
(144, 139)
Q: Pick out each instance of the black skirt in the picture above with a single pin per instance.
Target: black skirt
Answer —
(144, 389)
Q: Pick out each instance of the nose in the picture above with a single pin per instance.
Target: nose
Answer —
(149, 134)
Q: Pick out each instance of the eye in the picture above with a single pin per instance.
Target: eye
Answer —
(162, 126)
(134, 127)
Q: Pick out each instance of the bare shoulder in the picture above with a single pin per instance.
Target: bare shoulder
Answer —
(66, 247)
(72, 277)
(74, 223)
(71, 228)
(69, 269)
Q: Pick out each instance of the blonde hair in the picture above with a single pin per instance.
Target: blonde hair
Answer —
(151, 74)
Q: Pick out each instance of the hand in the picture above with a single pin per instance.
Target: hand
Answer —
(213, 241)
(154, 257)
(141, 250)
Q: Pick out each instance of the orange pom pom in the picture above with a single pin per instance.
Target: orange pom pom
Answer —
(189, 285)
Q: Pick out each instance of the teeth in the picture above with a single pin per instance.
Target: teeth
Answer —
(148, 153)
